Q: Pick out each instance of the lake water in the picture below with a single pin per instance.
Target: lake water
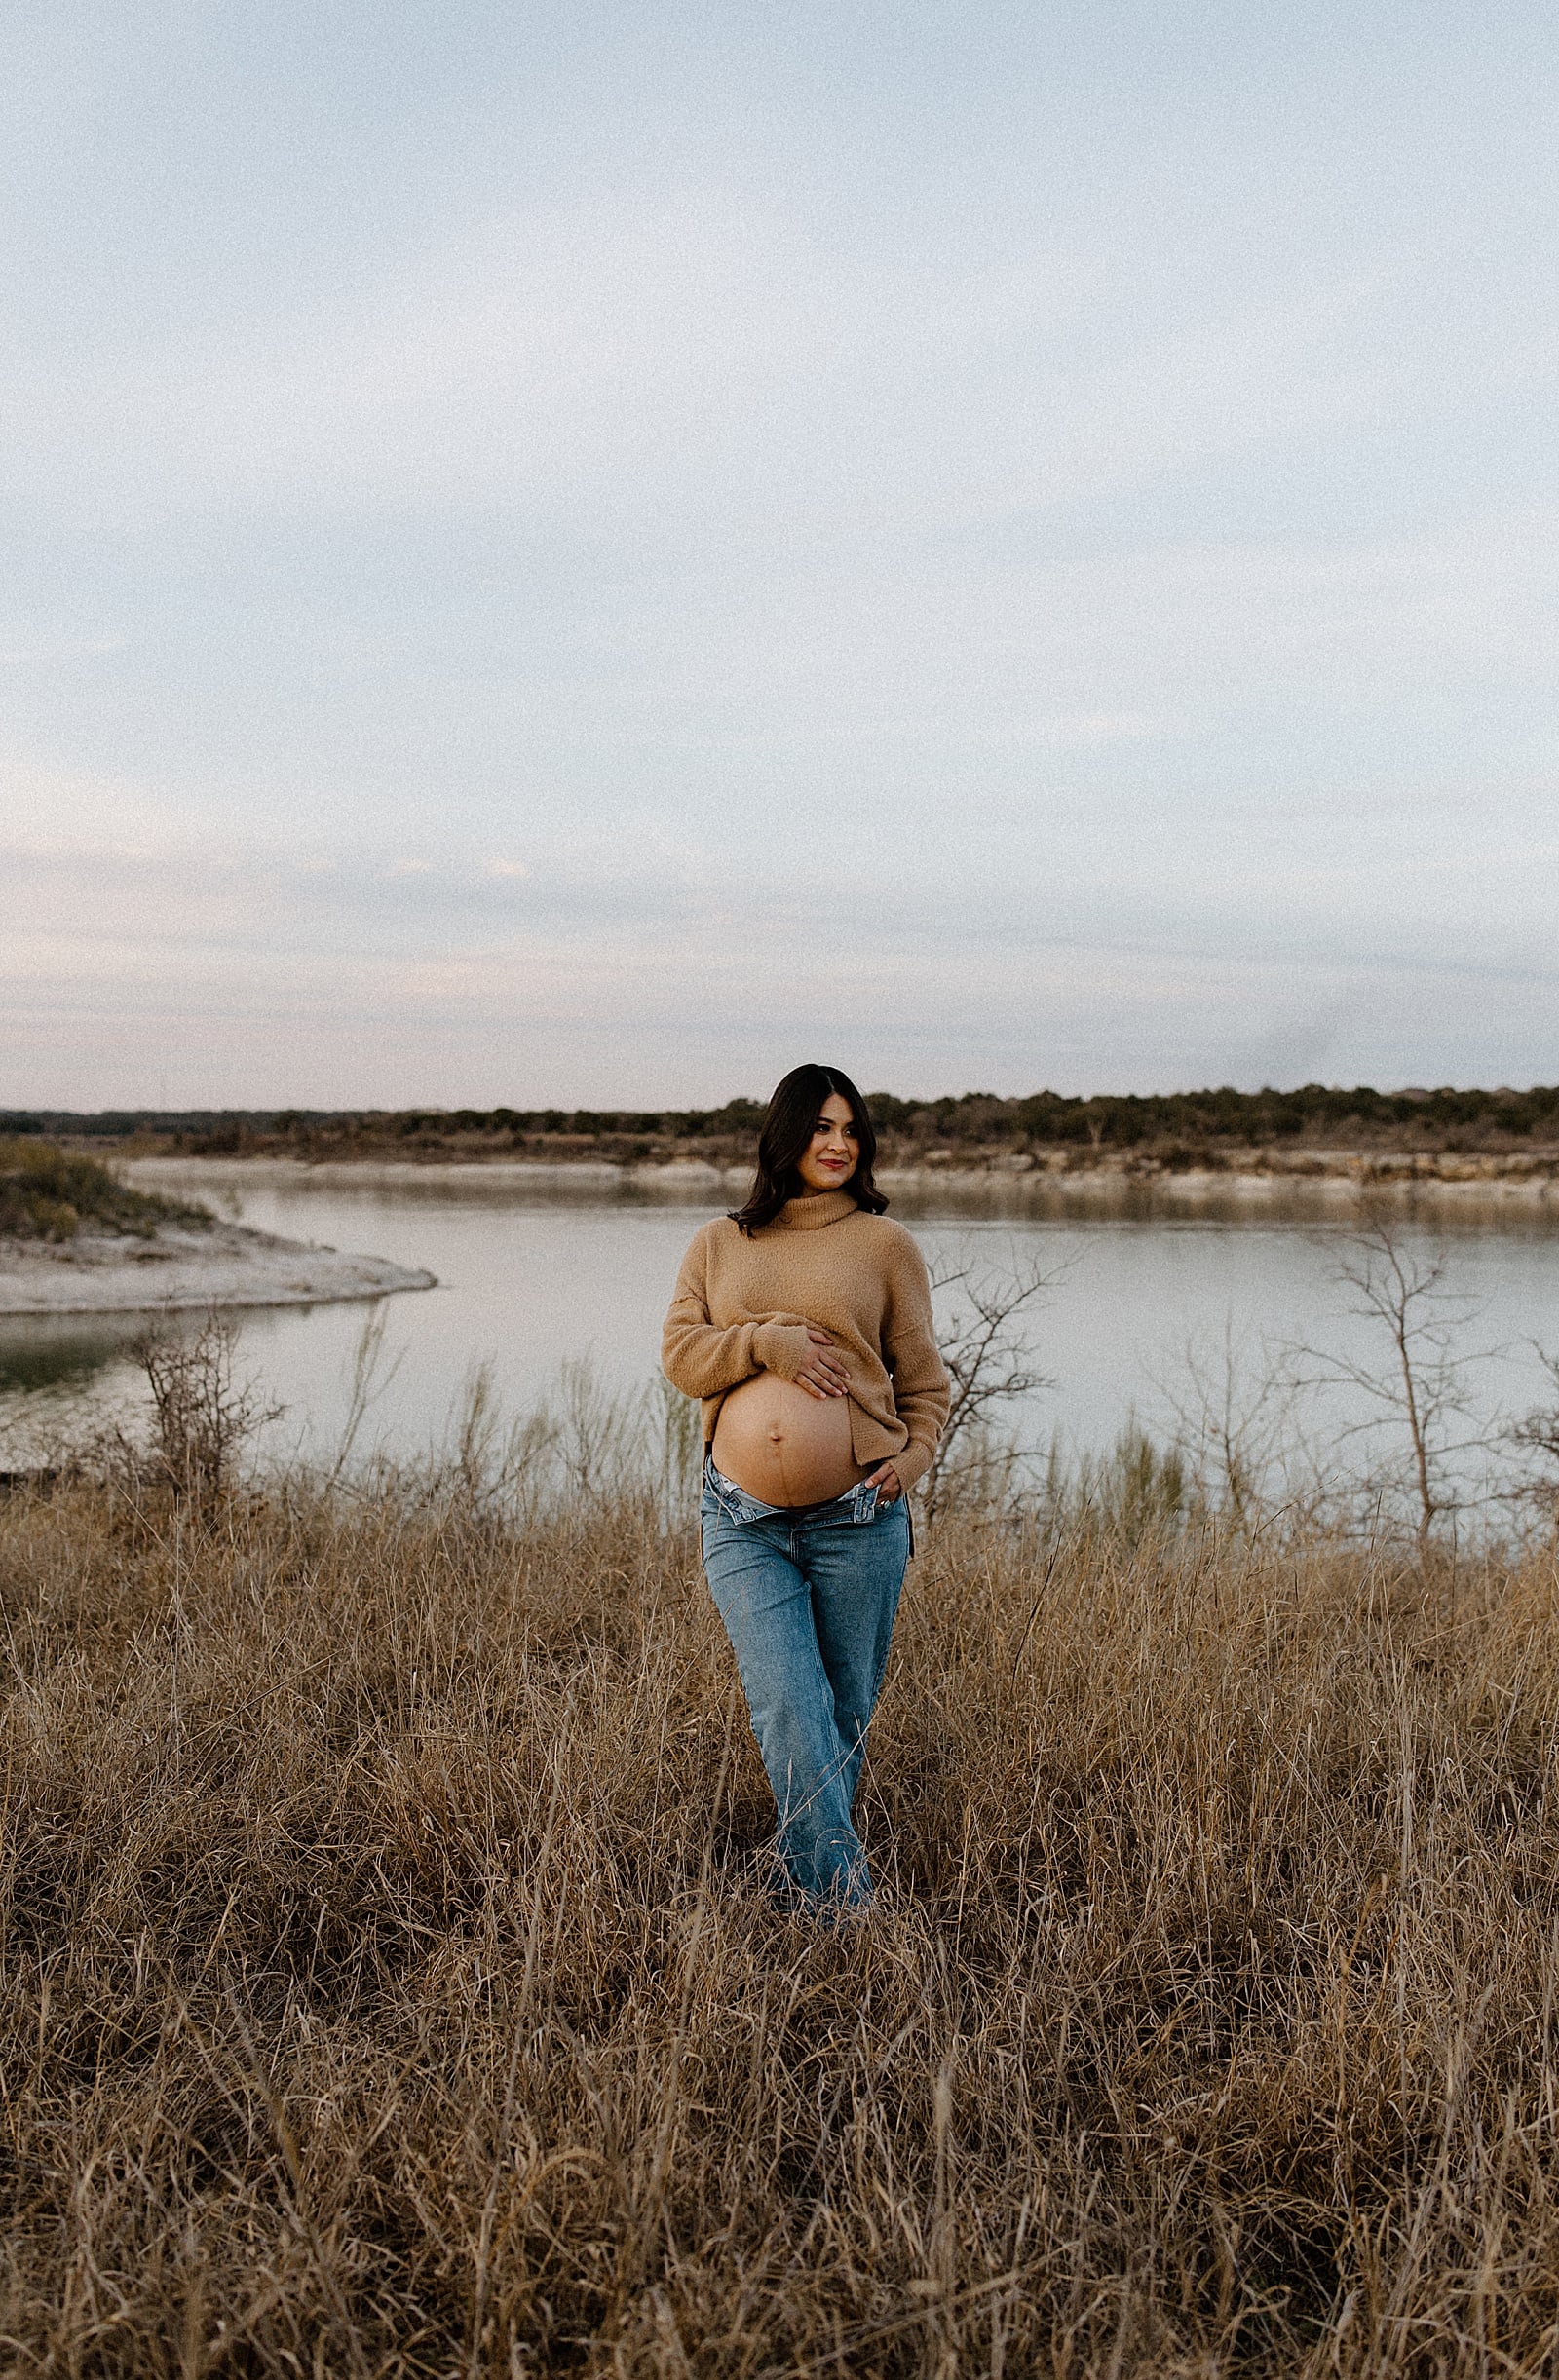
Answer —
(533, 1276)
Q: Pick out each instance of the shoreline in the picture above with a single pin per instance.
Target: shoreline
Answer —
(1320, 1185)
(181, 1269)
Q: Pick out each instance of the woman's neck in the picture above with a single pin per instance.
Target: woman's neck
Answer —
(807, 1214)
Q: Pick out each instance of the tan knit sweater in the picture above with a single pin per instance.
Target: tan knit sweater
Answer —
(742, 1306)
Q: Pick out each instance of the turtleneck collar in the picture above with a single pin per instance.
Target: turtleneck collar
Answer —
(810, 1214)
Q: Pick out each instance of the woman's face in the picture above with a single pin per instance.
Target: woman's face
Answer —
(834, 1151)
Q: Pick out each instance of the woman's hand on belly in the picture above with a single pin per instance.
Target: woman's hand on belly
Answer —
(823, 1374)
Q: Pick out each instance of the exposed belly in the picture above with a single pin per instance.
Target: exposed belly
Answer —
(784, 1446)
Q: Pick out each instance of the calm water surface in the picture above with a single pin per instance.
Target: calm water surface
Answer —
(533, 1278)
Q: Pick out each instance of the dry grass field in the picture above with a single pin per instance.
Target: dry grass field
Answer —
(388, 1987)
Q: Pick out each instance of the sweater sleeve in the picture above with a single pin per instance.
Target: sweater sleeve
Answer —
(921, 1385)
(704, 1361)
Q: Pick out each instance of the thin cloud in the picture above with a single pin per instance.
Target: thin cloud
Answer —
(1023, 551)
(47, 653)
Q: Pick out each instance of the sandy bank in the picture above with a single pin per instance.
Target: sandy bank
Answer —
(1323, 1186)
(179, 1267)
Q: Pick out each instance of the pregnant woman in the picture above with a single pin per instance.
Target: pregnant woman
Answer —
(803, 1323)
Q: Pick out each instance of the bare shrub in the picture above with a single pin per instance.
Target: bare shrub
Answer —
(1422, 1394)
(1532, 1439)
(202, 1416)
(982, 1312)
(1239, 1427)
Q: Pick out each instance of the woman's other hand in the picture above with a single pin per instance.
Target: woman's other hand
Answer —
(885, 1479)
(823, 1374)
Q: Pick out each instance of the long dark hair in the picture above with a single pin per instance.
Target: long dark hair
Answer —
(787, 1130)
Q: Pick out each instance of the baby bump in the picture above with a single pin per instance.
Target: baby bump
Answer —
(784, 1446)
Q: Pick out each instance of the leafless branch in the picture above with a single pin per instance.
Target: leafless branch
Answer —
(202, 1416)
(983, 1308)
(1425, 1386)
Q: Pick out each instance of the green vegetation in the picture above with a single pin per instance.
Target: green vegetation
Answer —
(47, 1192)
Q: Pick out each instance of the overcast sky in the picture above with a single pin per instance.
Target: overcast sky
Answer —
(584, 552)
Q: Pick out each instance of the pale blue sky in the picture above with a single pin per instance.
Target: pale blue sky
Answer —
(587, 554)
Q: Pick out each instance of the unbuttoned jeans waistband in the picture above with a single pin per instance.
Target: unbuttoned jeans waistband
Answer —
(857, 1503)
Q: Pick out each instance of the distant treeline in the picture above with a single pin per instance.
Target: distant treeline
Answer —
(1316, 1113)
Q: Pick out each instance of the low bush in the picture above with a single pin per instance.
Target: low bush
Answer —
(46, 1192)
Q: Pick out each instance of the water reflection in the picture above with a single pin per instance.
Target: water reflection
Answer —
(38, 1352)
(1162, 1201)
(535, 1273)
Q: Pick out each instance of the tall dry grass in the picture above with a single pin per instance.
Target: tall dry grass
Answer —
(388, 1989)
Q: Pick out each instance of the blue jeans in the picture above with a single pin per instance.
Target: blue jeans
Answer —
(809, 1597)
